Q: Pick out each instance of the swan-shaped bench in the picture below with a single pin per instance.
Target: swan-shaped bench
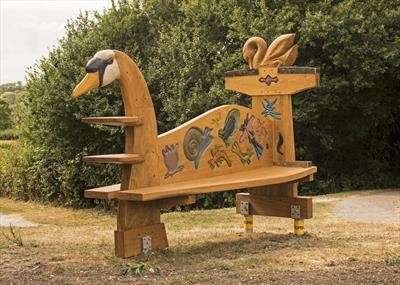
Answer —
(227, 148)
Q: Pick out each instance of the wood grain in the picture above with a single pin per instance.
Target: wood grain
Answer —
(129, 242)
(114, 121)
(287, 84)
(208, 119)
(293, 163)
(277, 206)
(103, 193)
(245, 179)
(122, 158)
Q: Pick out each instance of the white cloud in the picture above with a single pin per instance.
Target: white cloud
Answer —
(29, 29)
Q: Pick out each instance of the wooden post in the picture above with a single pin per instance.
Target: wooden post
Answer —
(248, 224)
(271, 89)
(299, 227)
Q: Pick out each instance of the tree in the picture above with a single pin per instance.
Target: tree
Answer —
(349, 127)
(5, 114)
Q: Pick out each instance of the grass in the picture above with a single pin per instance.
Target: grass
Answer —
(13, 236)
(205, 247)
(393, 260)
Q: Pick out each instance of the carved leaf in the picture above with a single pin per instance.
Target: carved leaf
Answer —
(287, 59)
(290, 56)
(279, 47)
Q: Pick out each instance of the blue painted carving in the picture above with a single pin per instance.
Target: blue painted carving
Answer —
(269, 109)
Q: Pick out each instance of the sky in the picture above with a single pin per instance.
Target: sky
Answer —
(29, 29)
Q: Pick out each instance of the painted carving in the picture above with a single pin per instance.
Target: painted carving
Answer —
(281, 52)
(269, 109)
(171, 160)
(231, 126)
(268, 79)
(256, 145)
(219, 156)
(245, 156)
(261, 131)
(247, 129)
(195, 144)
(280, 143)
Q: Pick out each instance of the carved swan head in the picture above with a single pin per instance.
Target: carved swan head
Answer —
(254, 51)
(101, 70)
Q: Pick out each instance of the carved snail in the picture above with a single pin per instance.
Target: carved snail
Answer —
(195, 143)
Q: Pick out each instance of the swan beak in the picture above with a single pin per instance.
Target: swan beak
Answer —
(89, 82)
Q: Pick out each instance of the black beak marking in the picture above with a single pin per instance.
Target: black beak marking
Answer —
(98, 64)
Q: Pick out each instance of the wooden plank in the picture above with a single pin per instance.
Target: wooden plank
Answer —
(105, 192)
(298, 70)
(275, 206)
(123, 158)
(244, 179)
(141, 139)
(239, 151)
(114, 121)
(293, 163)
(271, 81)
(136, 214)
(129, 243)
(174, 201)
(282, 147)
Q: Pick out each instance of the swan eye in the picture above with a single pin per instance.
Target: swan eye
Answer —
(98, 64)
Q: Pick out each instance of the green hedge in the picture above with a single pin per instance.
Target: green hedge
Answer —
(8, 134)
(350, 127)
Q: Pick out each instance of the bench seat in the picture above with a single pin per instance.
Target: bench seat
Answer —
(245, 179)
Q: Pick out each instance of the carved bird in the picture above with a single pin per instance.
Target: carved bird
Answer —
(254, 51)
(281, 52)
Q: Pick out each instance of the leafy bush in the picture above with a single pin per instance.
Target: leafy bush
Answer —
(349, 127)
(8, 134)
(5, 115)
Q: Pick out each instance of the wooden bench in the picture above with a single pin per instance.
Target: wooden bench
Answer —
(227, 148)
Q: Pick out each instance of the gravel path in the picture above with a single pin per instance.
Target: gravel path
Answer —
(15, 221)
(377, 206)
(372, 206)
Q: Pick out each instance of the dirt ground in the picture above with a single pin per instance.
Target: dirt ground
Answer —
(354, 238)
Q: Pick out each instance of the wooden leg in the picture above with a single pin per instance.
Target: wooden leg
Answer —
(277, 200)
(299, 227)
(138, 222)
(275, 206)
(283, 190)
(140, 240)
(248, 224)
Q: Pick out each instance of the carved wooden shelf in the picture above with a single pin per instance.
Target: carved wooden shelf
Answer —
(105, 192)
(123, 158)
(114, 121)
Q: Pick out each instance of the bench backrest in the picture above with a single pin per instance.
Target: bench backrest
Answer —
(234, 138)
